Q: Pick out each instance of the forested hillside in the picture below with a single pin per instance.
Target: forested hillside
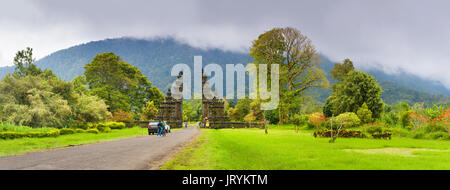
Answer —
(156, 57)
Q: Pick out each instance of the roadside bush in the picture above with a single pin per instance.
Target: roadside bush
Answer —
(80, 131)
(66, 131)
(107, 130)
(16, 135)
(53, 133)
(11, 135)
(122, 116)
(116, 125)
(80, 126)
(94, 131)
(100, 126)
(348, 119)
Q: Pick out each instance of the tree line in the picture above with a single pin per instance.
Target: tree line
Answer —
(110, 89)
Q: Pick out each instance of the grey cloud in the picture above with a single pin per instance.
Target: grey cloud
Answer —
(396, 34)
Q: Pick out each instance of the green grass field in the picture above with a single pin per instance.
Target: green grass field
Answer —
(283, 149)
(25, 145)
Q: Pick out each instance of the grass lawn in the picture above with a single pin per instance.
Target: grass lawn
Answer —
(24, 145)
(283, 149)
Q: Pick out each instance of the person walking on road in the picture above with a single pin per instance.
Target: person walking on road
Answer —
(160, 126)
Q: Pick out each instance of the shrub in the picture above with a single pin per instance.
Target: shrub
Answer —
(116, 125)
(271, 115)
(80, 126)
(342, 133)
(80, 131)
(107, 130)
(53, 133)
(417, 120)
(405, 118)
(10, 135)
(348, 119)
(390, 118)
(372, 129)
(65, 131)
(418, 135)
(94, 131)
(316, 119)
(364, 114)
(439, 135)
(122, 116)
(91, 109)
(299, 120)
(386, 135)
(100, 126)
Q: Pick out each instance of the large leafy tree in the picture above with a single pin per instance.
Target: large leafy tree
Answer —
(353, 91)
(120, 84)
(29, 101)
(37, 98)
(298, 60)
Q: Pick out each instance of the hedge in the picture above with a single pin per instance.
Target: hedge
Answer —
(77, 128)
(80, 130)
(94, 131)
(66, 131)
(342, 133)
(15, 135)
(116, 125)
(386, 135)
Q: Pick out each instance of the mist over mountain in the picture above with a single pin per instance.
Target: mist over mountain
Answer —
(156, 57)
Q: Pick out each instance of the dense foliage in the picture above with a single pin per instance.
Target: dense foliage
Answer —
(298, 60)
(353, 91)
(120, 84)
(37, 98)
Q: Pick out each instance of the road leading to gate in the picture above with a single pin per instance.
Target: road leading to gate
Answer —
(125, 154)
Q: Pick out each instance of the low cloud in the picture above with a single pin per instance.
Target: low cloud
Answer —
(410, 35)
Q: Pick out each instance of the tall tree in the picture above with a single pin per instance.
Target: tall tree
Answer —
(298, 60)
(122, 85)
(356, 89)
(24, 63)
(341, 70)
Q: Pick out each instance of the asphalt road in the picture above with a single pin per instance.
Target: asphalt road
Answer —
(126, 154)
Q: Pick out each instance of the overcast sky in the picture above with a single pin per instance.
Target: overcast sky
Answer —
(391, 34)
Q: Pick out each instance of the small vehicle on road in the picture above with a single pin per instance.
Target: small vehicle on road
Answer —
(153, 128)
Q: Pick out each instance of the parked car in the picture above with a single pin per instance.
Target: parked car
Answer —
(153, 128)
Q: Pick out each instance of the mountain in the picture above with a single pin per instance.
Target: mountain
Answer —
(156, 57)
